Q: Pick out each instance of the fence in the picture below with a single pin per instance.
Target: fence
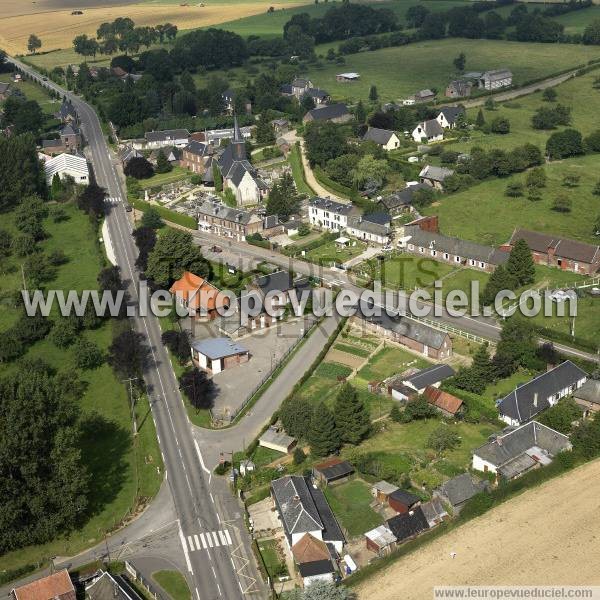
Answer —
(139, 578)
(451, 329)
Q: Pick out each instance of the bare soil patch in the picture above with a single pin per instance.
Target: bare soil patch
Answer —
(344, 358)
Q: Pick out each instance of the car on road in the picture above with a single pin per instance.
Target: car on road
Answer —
(216, 249)
(128, 207)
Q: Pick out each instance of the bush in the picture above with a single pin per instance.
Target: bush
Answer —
(222, 468)
(87, 355)
(299, 456)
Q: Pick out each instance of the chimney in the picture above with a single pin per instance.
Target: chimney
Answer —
(535, 399)
(499, 440)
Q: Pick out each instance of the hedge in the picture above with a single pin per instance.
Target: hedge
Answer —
(166, 214)
(560, 336)
(477, 409)
(12, 574)
(333, 186)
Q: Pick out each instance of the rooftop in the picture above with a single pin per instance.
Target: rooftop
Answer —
(409, 524)
(52, 587)
(310, 549)
(334, 468)
(382, 536)
(430, 375)
(215, 348)
(332, 206)
(461, 488)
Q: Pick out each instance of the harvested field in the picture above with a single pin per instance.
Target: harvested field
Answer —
(345, 358)
(57, 27)
(522, 542)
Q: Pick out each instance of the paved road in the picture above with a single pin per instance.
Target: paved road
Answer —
(213, 540)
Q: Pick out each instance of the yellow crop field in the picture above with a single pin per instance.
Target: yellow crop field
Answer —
(57, 27)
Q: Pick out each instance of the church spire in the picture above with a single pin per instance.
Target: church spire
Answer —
(237, 134)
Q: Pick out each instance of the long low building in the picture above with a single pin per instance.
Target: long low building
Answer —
(68, 165)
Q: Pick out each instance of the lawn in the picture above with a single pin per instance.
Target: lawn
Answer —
(350, 502)
(123, 472)
(330, 253)
(401, 71)
(389, 361)
(173, 582)
(298, 172)
(160, 179)
(504, 386)
(576, 21)
(272, 556)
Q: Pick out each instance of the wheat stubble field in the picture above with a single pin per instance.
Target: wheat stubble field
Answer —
(549, 535)
(53, 23)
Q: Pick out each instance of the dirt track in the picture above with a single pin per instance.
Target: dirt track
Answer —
(547, 536)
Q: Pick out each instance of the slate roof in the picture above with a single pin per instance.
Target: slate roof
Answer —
(402, 197)
(280, 281)
(434, 511)
(197, 148)
(215, 348)
(463, 248)
(519, 404)
(334, 468)
(404, 497)
(316, 93)
(317, 567)
(58, 143)
(407, 525)
(69, 129)
(107, 587)
(379, 136)
(362, 224)
(300, 82)
(167, 135)
(286, 88)
(331, 111)
(332, 206)
(497, 75)
(331, 530)
(234, 215)
(509, 445)
(563, 247)
(67, 110)
(589, 391)
(295, 504)
(451, 113)
(431, 128)
(430, 375)
(379, 217)
(435, 173)
(460, 488)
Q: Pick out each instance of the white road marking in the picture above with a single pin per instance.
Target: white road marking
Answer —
(201, 459)
(216, 538)
(223, 538)
(229, 541)
(209, 540)
(203, 541)
(185, 550)
(197, 542)
(191, 542)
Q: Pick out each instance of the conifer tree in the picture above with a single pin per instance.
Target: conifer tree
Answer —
(323, 435)
(499, 280)
(351, 416)
(520, 264)
(480, 120)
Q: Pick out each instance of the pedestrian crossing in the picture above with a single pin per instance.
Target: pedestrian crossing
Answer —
(112, 200)
(208, 539)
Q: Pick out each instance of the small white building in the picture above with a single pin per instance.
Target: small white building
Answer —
(429, 131)
(328, 214)
(72, 165)
(493, 80)
(385, 138)
(217, 354)
(374, 227)
(347, 77)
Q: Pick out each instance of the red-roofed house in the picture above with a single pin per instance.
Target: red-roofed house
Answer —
(198, 295)
(54, 587)
(446, 403)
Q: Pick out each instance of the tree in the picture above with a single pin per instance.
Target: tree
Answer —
(25, 116)
(433, 27)
(86, 46)
(563, 144)
(536, 178)
(33, 43)
(322, 590)
(91, 201)
(443, 438)
(489, 103)
(173, 254)
(561, 416)
(283, 199)
(299, 456)
(586, 438)
(87, 355)
(499, 280)
(596, 227)
(198, 388)
(592, 141)
(562, 204)
(296, 414)
(460, 62)
(415, 15)
(500, 125)
(322, 434)
(418, 409)
(162, 164)
(517, 347)
(152, 219)
(514, 190)
(352, 418)
(64, 332)
(373, 95)
(127, 354)
(265, 134)
(571, 180)
(217, 177)
(50, 496)
(360, 114)
(520, 265)
(178, 343)
(139, 168)
(480, 120)
(324, 141)
(5, 243)
(591, 34)
(549, 95)
(370, 170)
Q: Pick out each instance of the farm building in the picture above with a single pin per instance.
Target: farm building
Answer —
(434, 512)
(588, 396)
(382, 489)
(446, 403)
(514, 453)
(217, 354)
(398, 390)
(424, 96)
(493, 80)
(333, 469)
(458, 490)
(402, 501)
(347, 77)
(434, 176)
(385, 138)
(554, 251)
(407, 525)
(336, 113)
(459, 88)
(428, 131)
(275, 438)
(199, 296)
(429, 377)
(380, 540)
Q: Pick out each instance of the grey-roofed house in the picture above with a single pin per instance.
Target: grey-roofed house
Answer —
(363, 228)
(408, 525)
(217, 354)
(105, 586)
(543, 391)
(452, 250)
(424, 96)
(588, 396)
(220, 219)
(449, 116)
(337, 113)
(67, 112)
(428, 131)
(401, 201)
(513, 453)
(195, 156)
(127, 153)
(275, 438)
(434, 512)
(493, 80)
(402, 329)
(458, 490)
(168, 137)
(433, 375)
(329, 214)
(434, 176)
(303, 509)
(385, 138)
(279, 281)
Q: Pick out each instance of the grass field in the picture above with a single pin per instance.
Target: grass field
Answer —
(399, 72)
(576, 21)
(272, 557)
(108, 451)
(173, 583)
(331, 253)
(350, 502)
(159, 179)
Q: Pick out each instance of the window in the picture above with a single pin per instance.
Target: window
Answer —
(434, 253)
(457, 259)
(421, 250)
(482, 265)
(411, 247)
(446, 256)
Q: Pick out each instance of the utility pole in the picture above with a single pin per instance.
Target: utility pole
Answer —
(131, 402)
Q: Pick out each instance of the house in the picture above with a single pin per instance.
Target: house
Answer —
(200, 297)
(382, 489)
(434, 512)
(333, 469)
(280, 282)
(53, 147)
(67, 112)
(459, 88)
(543, 391)
(220, 219)
(372, 227)
(280, 125)
(313, 559)
(57, 586)
(237, 172)
(214, 137)
(105, 586)
(127, 153)
(169, 137)
(435, 176)
(402, 501)
(429, 377)
(380, 540)
(329, 214)
(446, 403)
(458, 490)
(171, 153)
(337, 113)
(195, 156)
(424, 96)
(408, 332)
(428, 131)
(217, 354)
(554, 251)
(4, 90)
(71, 165)
(493, 80)
(588, 396)
(318, 95)
(407, 525)
(300, 86)
(449, 116)
(275, 438)
(401, 201)
(452, 250)
(303, 509)
(512, 454)
(347, 77)
(385, 138)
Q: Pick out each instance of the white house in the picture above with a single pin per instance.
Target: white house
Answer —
(385, 138)
(328, 214)
(493, 80)
(169, 137)
(449, 115)
(72, 165)
(430, 131)
(374, 227)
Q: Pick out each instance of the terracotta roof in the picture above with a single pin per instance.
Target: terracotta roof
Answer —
(198, 292)
(443, 400)
(58, 585)
(309, 549)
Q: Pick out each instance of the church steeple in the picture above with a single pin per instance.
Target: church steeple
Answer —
(238, 143)
(237, 134)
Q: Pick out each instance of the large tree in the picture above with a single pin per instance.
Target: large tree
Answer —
(322, 434)
(197, 387)
(127, 354)
(283, 199)
(296, 414)
(145, 239)
(34, 43)
(520, 265)
(517, 347)
(499, 280)
(351, 416)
